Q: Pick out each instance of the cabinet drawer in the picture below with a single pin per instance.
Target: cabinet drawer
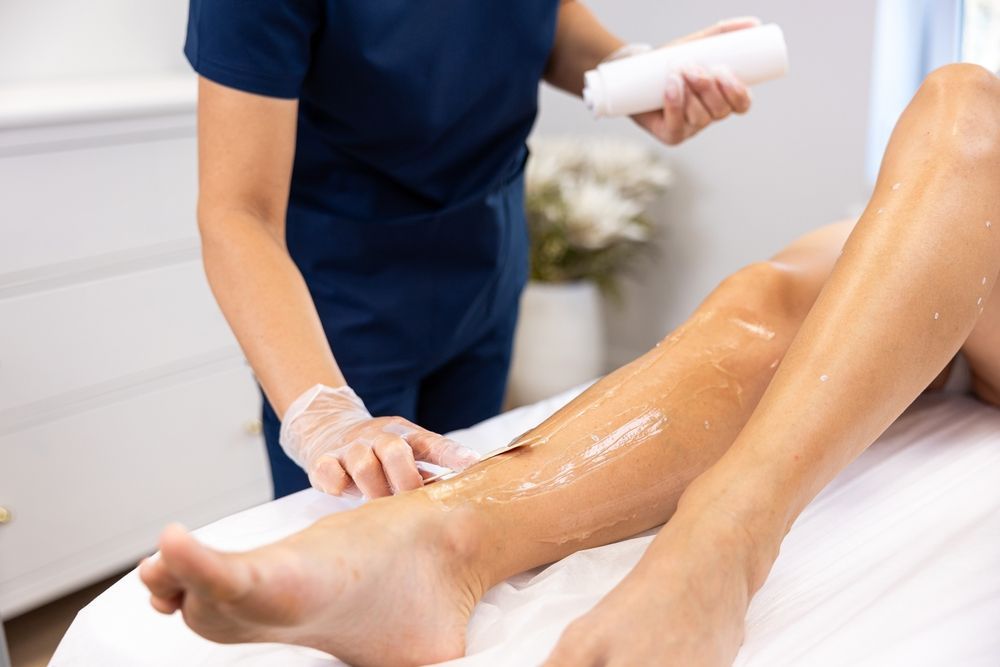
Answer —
(90, 492)
(61, 340)
(71, 204)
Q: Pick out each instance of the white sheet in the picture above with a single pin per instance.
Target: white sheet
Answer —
(897, 563)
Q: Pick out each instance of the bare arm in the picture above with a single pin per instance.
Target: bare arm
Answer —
(245, 150)
(581, 43)
(246, 147)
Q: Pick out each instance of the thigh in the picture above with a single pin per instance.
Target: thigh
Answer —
(813, 256)
(815, 253)
(469, 387)
(799, 271)
(982, 349)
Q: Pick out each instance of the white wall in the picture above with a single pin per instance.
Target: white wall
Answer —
(59, 39)
(746, 187)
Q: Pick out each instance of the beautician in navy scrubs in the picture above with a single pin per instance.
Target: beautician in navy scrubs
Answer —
(361, 195)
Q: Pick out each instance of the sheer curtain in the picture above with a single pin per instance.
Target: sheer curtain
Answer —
(981, 33)
(912, 37)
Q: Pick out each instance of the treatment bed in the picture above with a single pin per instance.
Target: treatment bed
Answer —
(896, 563)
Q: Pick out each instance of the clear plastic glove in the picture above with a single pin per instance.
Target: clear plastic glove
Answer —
(332, 436)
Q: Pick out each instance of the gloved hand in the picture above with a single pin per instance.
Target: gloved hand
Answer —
(332, 436)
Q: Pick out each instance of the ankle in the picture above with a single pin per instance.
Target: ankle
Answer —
(460, 538)
(750, 553)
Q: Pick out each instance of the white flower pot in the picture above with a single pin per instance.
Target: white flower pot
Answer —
(559, 341)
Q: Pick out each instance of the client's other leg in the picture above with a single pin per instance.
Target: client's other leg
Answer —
(395, 581)
(912, 285)
(912, 289)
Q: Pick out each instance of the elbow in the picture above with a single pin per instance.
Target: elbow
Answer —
(223, 227)
(212, 230)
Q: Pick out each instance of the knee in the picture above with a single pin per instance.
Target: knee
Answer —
(962, 79)
(965, 100)
(769, 289)
(970, 86)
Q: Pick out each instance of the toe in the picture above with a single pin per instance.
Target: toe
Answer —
(197, 567)
(577, 648)
(167, 605)
(158, 579)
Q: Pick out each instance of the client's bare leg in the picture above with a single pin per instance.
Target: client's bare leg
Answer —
(916, 283)
(394, 581)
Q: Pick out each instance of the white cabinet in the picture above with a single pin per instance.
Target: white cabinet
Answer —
(124, 400)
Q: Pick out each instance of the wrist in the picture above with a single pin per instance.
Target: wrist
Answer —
(627, 51)
(318, 417)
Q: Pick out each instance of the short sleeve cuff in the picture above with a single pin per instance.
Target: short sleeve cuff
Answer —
(248, 82)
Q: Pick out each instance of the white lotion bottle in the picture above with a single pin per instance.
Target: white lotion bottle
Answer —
(637, 84)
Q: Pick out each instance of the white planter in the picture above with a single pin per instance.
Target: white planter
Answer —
(559, 341)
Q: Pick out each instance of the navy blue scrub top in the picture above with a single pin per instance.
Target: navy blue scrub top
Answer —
(405, 213)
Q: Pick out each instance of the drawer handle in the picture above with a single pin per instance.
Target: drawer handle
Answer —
(5, 515)
(254, 427)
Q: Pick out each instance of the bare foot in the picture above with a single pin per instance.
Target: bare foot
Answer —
(391, 583)
(684, 606)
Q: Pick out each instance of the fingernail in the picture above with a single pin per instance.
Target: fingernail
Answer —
(725, 76)
(175, 526)
(673, 89)
(694, 73)
(316, 484)
(470, 458)
(465, 458)
(750, 20)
